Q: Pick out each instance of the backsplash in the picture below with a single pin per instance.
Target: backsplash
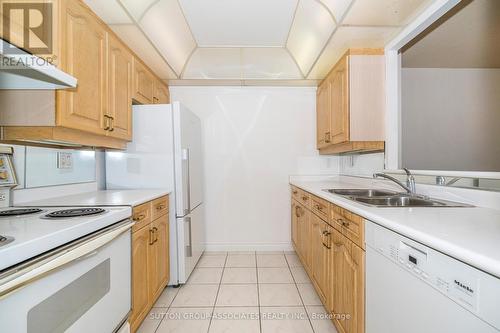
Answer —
(35, 173)
(361, 164)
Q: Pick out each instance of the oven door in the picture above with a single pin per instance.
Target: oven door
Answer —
(90, 292)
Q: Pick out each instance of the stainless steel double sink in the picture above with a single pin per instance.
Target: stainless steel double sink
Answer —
(385, 198)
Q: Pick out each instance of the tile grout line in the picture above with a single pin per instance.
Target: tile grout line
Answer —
(301, 299)
(168, 308)
(258, 292)
(217, 295)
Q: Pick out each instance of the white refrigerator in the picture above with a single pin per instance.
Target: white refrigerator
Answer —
(166, 153)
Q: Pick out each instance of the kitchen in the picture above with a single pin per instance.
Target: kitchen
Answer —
(221, 166)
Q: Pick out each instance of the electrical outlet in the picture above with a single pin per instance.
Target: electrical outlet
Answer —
(3, 197)
(64, 160)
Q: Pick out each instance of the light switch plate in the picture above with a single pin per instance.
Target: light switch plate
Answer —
(64, 160)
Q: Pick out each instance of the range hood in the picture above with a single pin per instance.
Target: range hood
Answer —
(22, 70)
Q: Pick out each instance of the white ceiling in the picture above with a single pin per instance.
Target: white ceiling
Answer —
(239, 22)
(252, 40)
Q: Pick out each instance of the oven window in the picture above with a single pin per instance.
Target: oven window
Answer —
(58, 312)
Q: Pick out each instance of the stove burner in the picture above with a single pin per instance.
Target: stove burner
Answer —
(4, 240)
(21, 211)
(74, 212)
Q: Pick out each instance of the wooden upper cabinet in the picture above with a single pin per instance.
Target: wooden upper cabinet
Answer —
(351, 104)
(144, 83)
(161, 94)
(119, 116)
(339, 108)
(323, 115)
(98, 112)
(83, 47)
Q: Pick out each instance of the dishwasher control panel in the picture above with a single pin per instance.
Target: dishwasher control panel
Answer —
(469, 287)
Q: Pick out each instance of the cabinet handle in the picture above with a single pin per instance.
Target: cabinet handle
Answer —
(112, 124)
(160, 207)
(139, 217)
(344, 223)
(327, 137)
(305, 198)
(297, 211)
(106, 123)
(295, 192)
(319, 207)
(151, 236)
(155, 230)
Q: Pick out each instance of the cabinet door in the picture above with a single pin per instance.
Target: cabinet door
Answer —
(83, 55)
(349, 282)
(140, 292)
(339, 102)
(153, 273)
(323, 115)
(295, 228)
(320, 253)
(162, 246)
(158, 257)
(120, 90)
(305, 237)
(144, 83)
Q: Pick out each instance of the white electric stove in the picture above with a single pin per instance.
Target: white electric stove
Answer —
(65, 269)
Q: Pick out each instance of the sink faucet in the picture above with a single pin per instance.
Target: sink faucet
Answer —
(410, 181)
(410, 187)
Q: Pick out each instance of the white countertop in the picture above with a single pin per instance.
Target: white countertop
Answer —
(102, 198)
(469, 234)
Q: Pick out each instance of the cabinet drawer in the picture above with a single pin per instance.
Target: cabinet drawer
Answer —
(320, 207)
(296, 193)
(350, 224)
(304, 199)
(141, 215)
(159, 207)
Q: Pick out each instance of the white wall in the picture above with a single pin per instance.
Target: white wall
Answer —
(361, 164)
(254, 139)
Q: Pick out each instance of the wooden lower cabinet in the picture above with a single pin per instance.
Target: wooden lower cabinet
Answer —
(140, 274)
(301, 232)
(320, 255)
(150, 260)
(334, 262)
(348, 284)
(158, 257)
(295, 227)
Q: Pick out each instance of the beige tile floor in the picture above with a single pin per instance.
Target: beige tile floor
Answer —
(244, 292)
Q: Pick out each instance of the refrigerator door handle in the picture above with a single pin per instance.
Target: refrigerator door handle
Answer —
(189, 247)
(188, 185)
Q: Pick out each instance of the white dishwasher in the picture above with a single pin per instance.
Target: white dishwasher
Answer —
(411, 288)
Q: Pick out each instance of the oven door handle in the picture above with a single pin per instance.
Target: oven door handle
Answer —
(39, 268)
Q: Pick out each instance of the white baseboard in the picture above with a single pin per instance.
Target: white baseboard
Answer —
(248, 247)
